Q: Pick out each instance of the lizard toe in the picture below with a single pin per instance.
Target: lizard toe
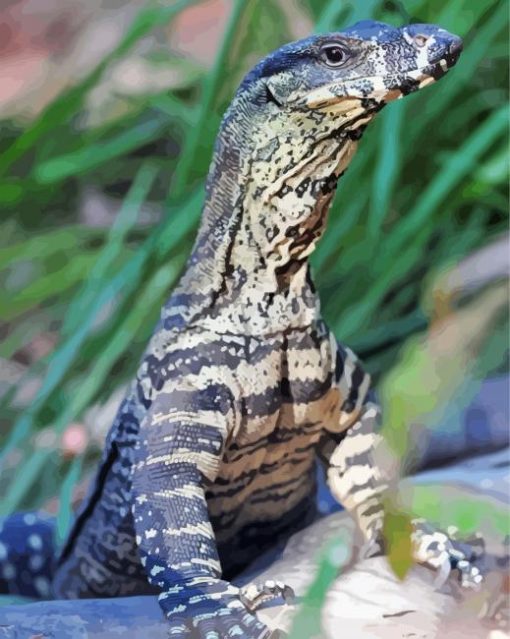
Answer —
(440, 552)
(178, 629)
(233, 624)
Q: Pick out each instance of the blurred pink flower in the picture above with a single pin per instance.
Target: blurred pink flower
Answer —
(74, 440)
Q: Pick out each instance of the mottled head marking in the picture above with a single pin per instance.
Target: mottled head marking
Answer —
(288, 136)
(370, 61)
(317, 95)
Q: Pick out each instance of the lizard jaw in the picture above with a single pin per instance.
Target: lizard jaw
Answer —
(384, 89)
(438, 68)
(336, 94)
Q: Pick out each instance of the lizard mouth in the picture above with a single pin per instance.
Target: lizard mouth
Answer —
(438, 68)
(337, 95)
(453, 53)
(422, 77)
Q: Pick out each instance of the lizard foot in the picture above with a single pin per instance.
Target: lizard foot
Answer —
(210, 609)
(254, 595)
(444, 553)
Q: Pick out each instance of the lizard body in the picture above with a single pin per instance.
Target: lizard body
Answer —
(211, 458)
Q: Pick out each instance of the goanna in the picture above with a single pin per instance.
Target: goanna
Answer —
(211, 458)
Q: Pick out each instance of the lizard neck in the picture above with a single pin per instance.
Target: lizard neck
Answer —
(267, 198)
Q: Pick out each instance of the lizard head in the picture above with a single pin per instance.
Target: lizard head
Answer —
(364, 67)
(314, 98)
(288, 136)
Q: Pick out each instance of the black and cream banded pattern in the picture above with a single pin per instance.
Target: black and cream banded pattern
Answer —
(211, 458)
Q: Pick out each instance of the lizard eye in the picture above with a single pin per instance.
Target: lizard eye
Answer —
(333, 55)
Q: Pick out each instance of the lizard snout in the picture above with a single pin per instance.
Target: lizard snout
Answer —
(454, 50)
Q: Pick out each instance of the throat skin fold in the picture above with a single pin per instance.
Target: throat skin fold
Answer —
(268, 193)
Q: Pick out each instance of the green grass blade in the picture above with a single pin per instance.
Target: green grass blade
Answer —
(459, 165)
(211, 86)
(46, 287)
(155, 290)
(397, 329)
(330, 247)
(174, 108)
(124, 222)
(455, 17)
(180, 225)
(65, 356)
(42, 246)
(338, 13)
(21, 334)
(329, 16)
(387, 167)
(123, 284)
(32, 468)
(465, 510)
(93, 156)
(70, 101)
(65, 513)
(459, 78)
(363, 10)
(335, 554)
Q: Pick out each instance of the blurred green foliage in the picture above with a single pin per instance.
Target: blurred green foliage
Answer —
(428, 185)
(334, 554)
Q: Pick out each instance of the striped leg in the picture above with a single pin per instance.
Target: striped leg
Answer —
(358, 481)
(174, 535)
(354, 477)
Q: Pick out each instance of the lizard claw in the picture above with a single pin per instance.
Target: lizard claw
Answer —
(470, 576)
(444, 554)
(254, 595)
(209, 608)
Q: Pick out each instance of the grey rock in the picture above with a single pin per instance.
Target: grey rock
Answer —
(366, 600)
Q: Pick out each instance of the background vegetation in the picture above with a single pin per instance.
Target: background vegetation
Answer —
(427, 187)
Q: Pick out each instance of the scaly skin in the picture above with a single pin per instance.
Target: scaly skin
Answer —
(211, 458)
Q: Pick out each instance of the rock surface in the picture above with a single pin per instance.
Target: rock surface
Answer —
(366, 601)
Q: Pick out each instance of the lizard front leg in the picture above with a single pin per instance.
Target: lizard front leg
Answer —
(176, 452)
(359, 482)
(354, 478)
